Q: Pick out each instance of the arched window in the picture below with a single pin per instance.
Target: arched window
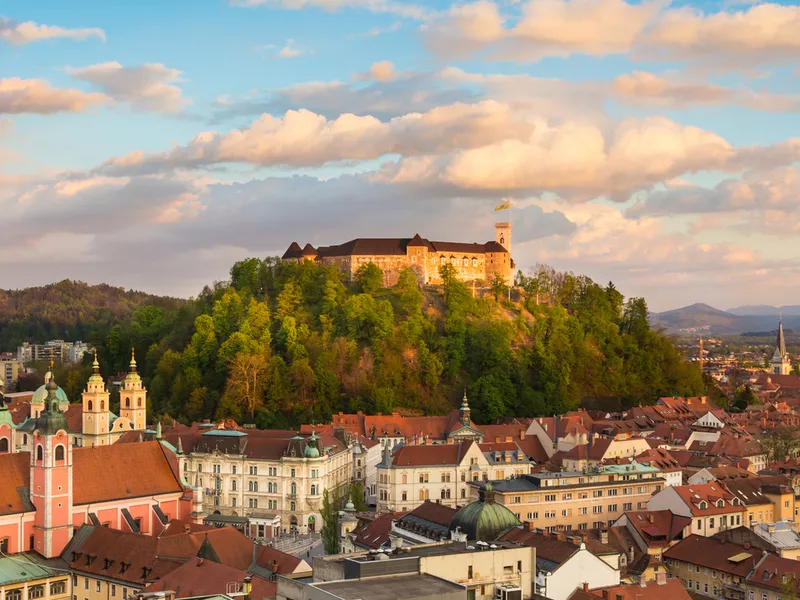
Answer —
(404, 496)
(313, 490)
(405, 478)
(3, 444)
(25, 440)
(502, 240)
(474, 262)
(443, 260)
(292, 506)
(233, 485)
(90, 405)
(422, 494)
(465, 261)
(294, 489)
(463, 493)
(39, 453)
(127, 402)
(442, 494)
(453, 260)
(185, 466)
(102, 404)
(59, 452)
(139, 403)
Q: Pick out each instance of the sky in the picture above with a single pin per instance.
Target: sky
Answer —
(151, 144)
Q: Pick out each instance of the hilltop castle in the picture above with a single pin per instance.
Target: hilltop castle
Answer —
(473, 262)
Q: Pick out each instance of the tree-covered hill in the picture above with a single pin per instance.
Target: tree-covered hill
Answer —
(70, 310)
(280, 344)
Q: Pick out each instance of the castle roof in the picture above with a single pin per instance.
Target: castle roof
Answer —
(308, 250)
(294, 251)
(397, 247)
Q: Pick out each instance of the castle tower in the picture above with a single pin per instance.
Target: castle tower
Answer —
(133, 398)
(96, 409)
(502, 235)
(51, 479)
(464, 411)
(780, 363)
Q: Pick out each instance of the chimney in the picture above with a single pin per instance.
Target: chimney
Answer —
(604, 536)
(585, 586)
(661, 578)
(631, 554)
(247, 587)
(650, 517)
(522, 434)
(606, 595)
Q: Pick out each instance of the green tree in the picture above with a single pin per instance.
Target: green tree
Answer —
(357, 497)
(247, 379)
(498, 287)
(330, 523)
(369, 278)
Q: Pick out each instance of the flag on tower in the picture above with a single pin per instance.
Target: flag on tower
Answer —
(503, 206)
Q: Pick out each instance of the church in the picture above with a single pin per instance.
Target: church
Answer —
(473, 262)
(49, 490)
(90, 423)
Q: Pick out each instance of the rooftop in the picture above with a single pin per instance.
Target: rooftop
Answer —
(28, 566)
(391, 587)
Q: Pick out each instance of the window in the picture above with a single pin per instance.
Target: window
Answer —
(124, 593)
(292, 473)
(58, 587)
(549, 497)
(127, 402)
(102, 404)
(474, 262)
(4, 445)
(612, 508)
(423, 478)
(404, 496)
(566, 496)
(39, 453)
(613, 492)
(705, 585)
(463, 493)
(597, 494)
(293, 489)
(86, 583)
(584, 510)
(90, 405)
(113, 590)
(313, 490)
(292, 506)
(469, 572)
(697, 568)
(97, 586)
(690, 587)
(233, 501)
(253, 470)
(4, 546)
(711, 523)
(215, 468)
(752, 595)
(233, 485)
(35, 591)
(597, 510)
(627, 506)
(315, 472)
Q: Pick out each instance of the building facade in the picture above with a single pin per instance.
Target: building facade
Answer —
(472, 262)
(263, 472)
(579, 500)
(443, 473)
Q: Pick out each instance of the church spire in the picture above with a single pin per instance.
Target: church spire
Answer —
(132, 368)
(464, 411)
(701, 354)
(781, 344)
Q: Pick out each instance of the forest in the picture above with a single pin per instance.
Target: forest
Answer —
(280, 344)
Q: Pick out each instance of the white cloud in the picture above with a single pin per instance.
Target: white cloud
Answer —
(379, 71)
(19, 96)
(400, 8)
(148, 86)
(378, 31)
(290, 50)
(19, 34)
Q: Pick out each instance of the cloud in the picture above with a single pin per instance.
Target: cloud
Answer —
(575, 161)
(145, 87)
(18, 96)
(303, 138)
(19, 34)
(379, 71)
(760, 34)
(546, 28)
(289, 50)
(399, 8)
(765, 33)
(378, 31)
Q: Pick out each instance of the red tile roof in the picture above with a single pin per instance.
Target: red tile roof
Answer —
(658, 528)
(99, 474)
(178, 527)
(715, 554)
(375, 534)
(660, 458)
(670, 589)
(708, 495)
(277, 561)
(770, 573)
(207, 578)
(231, 546)
(430, 455)
(547, 546)
(434, 513)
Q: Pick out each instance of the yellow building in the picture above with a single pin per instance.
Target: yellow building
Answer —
(579, 500)
(28, 576)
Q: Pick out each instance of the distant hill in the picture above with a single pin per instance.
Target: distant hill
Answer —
(702, 318)
(70, 310)
(765, 310)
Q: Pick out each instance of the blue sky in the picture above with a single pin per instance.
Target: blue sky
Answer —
(151, 144)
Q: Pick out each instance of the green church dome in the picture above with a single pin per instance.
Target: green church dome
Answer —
(484, 520)
(40, 395)
(52, 419)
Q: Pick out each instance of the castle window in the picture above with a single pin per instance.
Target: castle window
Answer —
(465, 261)
(3, 444)
(39, 453)
(90, 405)
(443, 260)
(474, 262)
(502, 240)
(59, 452)
(453, 260)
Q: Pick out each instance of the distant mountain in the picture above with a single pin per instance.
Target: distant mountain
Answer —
(766, 310)
(704, 319)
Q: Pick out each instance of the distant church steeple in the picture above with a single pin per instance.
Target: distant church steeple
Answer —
(780, 363)
(701, 354)
(464, 411)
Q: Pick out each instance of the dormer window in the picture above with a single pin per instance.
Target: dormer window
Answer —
(703, 505)
(720, 503)
(736, 502)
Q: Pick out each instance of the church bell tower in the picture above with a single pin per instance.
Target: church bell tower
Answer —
(51, 479)
(96, 409)
(133, 397)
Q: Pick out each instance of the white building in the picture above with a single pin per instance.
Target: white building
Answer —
(366, 458)
(711, 508)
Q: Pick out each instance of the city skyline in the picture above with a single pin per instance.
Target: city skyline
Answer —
(649, 144)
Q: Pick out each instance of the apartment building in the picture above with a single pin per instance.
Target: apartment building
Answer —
(10, 370)
(603, 449)
(713, 567)
(411, 475)
(579, 500)
(263, 474)
(711, 507)
(28, 576)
